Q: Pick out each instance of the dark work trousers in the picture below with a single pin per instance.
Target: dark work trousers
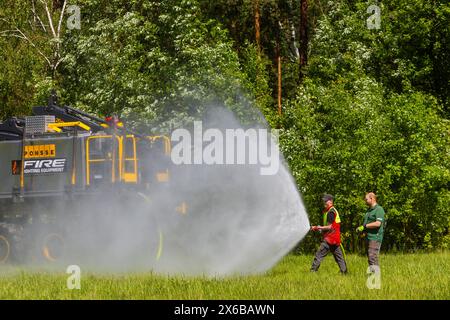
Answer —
(324, 249)
(373, 251)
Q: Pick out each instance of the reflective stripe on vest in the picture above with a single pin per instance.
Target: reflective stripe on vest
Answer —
(325, 216)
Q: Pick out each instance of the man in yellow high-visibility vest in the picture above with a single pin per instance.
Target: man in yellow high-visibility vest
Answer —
(331, 231)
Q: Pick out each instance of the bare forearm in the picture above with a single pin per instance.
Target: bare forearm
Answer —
(373, 225)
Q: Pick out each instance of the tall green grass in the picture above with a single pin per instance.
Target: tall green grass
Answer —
(404, 276)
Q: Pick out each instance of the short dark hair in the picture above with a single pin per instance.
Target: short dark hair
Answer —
(326, 197)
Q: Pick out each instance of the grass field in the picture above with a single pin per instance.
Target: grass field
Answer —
(404, 276)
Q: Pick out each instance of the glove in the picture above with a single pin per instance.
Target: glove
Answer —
(314, 228)
(360, 228)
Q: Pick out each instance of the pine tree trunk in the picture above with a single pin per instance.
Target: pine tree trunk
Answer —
(303, 35)
(257, 24)
(278, 54)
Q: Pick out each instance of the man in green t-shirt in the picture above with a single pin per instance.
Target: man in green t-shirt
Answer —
(373, 226)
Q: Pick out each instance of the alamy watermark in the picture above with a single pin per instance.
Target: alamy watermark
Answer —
(232, 147)
(74, 20)
(374, 21)
(74, 280)
(373, 277)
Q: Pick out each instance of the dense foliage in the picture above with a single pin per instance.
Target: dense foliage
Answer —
(369, 111)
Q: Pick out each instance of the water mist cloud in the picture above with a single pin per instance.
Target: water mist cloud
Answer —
(239, 219)
(219, 214)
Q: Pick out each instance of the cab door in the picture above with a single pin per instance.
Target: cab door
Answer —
(103, 160)
(130, 161)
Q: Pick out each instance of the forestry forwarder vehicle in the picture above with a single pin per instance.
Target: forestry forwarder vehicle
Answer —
(62, 163)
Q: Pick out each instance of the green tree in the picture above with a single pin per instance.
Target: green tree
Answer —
(350, 137)
(31, 35)
(160, 62)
